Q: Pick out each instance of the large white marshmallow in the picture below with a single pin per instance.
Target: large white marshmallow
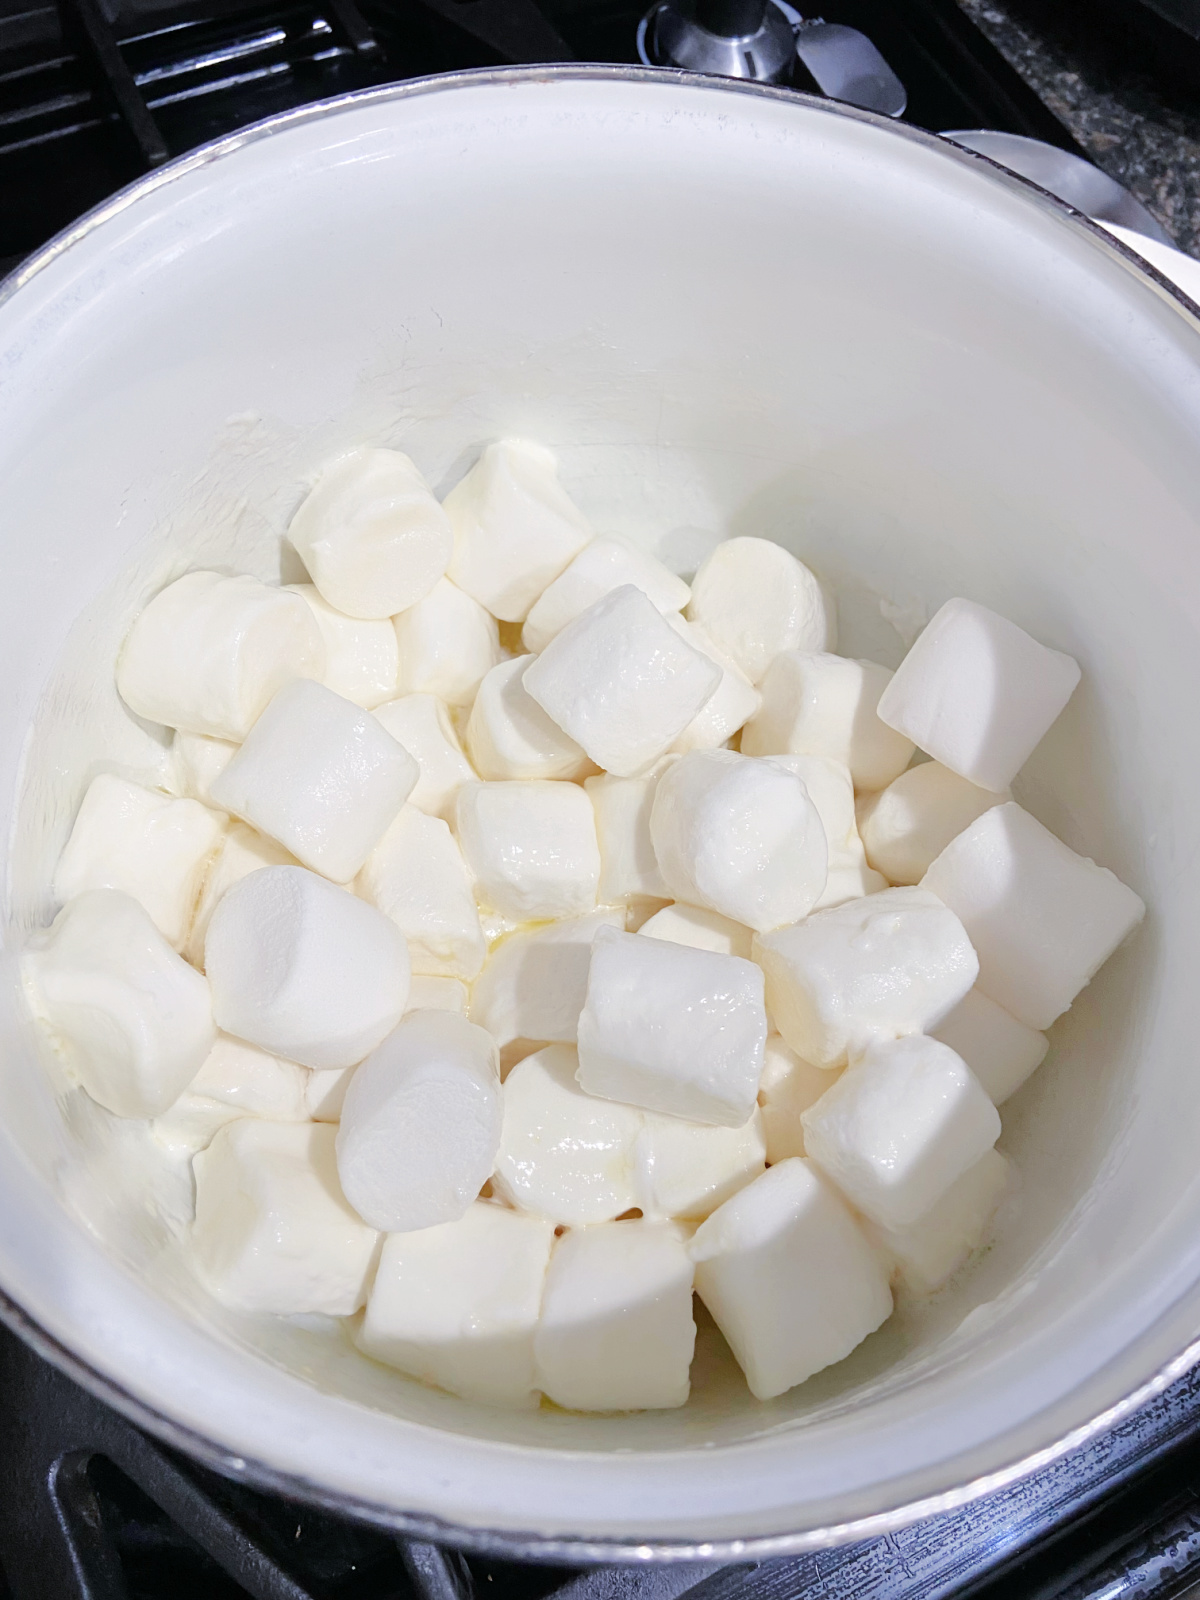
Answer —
(899, 1126)
(457, 1305)
(977, 693)
(1043, 919)
(825, 705)
(672, 1029)
(788, 1086)
(616, 1331)
(531, 847)
(148, 845)
(621, 682)
(321, 776)
(236, 1080)
(325, 1092)
(789, 1277)
(598, 569)
(927, 1253)
(515, 528)
(730, 705)
(739, 836)
(534, 981)
(447, 644)
(421, 723)
(273, 1231)
(999, 1050)
(755, 599)
(362, 658)
(850, 878)
(891, 964)
(564, 1154)
(510, 736)
(371, 534)
(416, 875)
(699, 928)
(209, 652)
(685, 1169)
(305, 969)
(831, 789)
(243, 851)
(907, 825)
(131, 1021)
(198, 761)
(628, 866)
(420, 1124)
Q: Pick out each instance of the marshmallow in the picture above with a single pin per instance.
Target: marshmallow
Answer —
(789, 1277)
(755, 600)
(420, 1123)
(198, 761)
(788, 1086)
(372, 536)
(304, 969)
(1043, 919)
(457, 1305)
(510, 736)
(977, 693)
(933, 1248)
(700, 929)
(672, 1029)
(740, 837)
(616, 1330)
(824, 705)
(598, 569)
(628, 866)
(320, 776)
(892, 964)
(999, 1050)
(731, 704)
(534, 982)
(242, 852)
(685, 1169)
(531, 846)
(621, 682)
(129, 1018)
(325, 1092)
(362, 659)
(831, 789)
(850, 878)
(421, 723)
(416, 875)
(236, 1080)
(899, 1126)
(209, 652)
(148, 845)
(515, 529)
(273, 1231)
(564, 1155)
(428, 993)
(907, 825)
(448, 644)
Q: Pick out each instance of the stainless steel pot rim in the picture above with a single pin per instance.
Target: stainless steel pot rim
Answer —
(501, 1543)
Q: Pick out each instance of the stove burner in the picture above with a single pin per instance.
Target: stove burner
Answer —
(729, 38)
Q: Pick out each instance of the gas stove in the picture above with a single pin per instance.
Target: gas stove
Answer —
(94, 93)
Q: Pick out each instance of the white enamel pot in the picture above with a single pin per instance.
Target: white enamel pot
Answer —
(730, 310)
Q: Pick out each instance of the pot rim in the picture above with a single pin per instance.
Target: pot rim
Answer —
(501, 1543)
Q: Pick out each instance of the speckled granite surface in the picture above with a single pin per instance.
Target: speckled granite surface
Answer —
(1145, 136)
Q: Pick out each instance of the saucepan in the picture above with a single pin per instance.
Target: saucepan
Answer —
(730, 310)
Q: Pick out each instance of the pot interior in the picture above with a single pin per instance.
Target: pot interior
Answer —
(730, 312)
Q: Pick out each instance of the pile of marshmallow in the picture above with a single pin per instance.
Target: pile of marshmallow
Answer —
(528, 940)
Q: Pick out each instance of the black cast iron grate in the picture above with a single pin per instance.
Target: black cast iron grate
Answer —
(92, 1509)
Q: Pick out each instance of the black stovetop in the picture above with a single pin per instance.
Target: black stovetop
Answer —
(92, 94)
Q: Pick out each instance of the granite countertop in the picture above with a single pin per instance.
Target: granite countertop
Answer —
(1143, 133)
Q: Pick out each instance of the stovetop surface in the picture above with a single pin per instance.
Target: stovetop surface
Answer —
(92, 94)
